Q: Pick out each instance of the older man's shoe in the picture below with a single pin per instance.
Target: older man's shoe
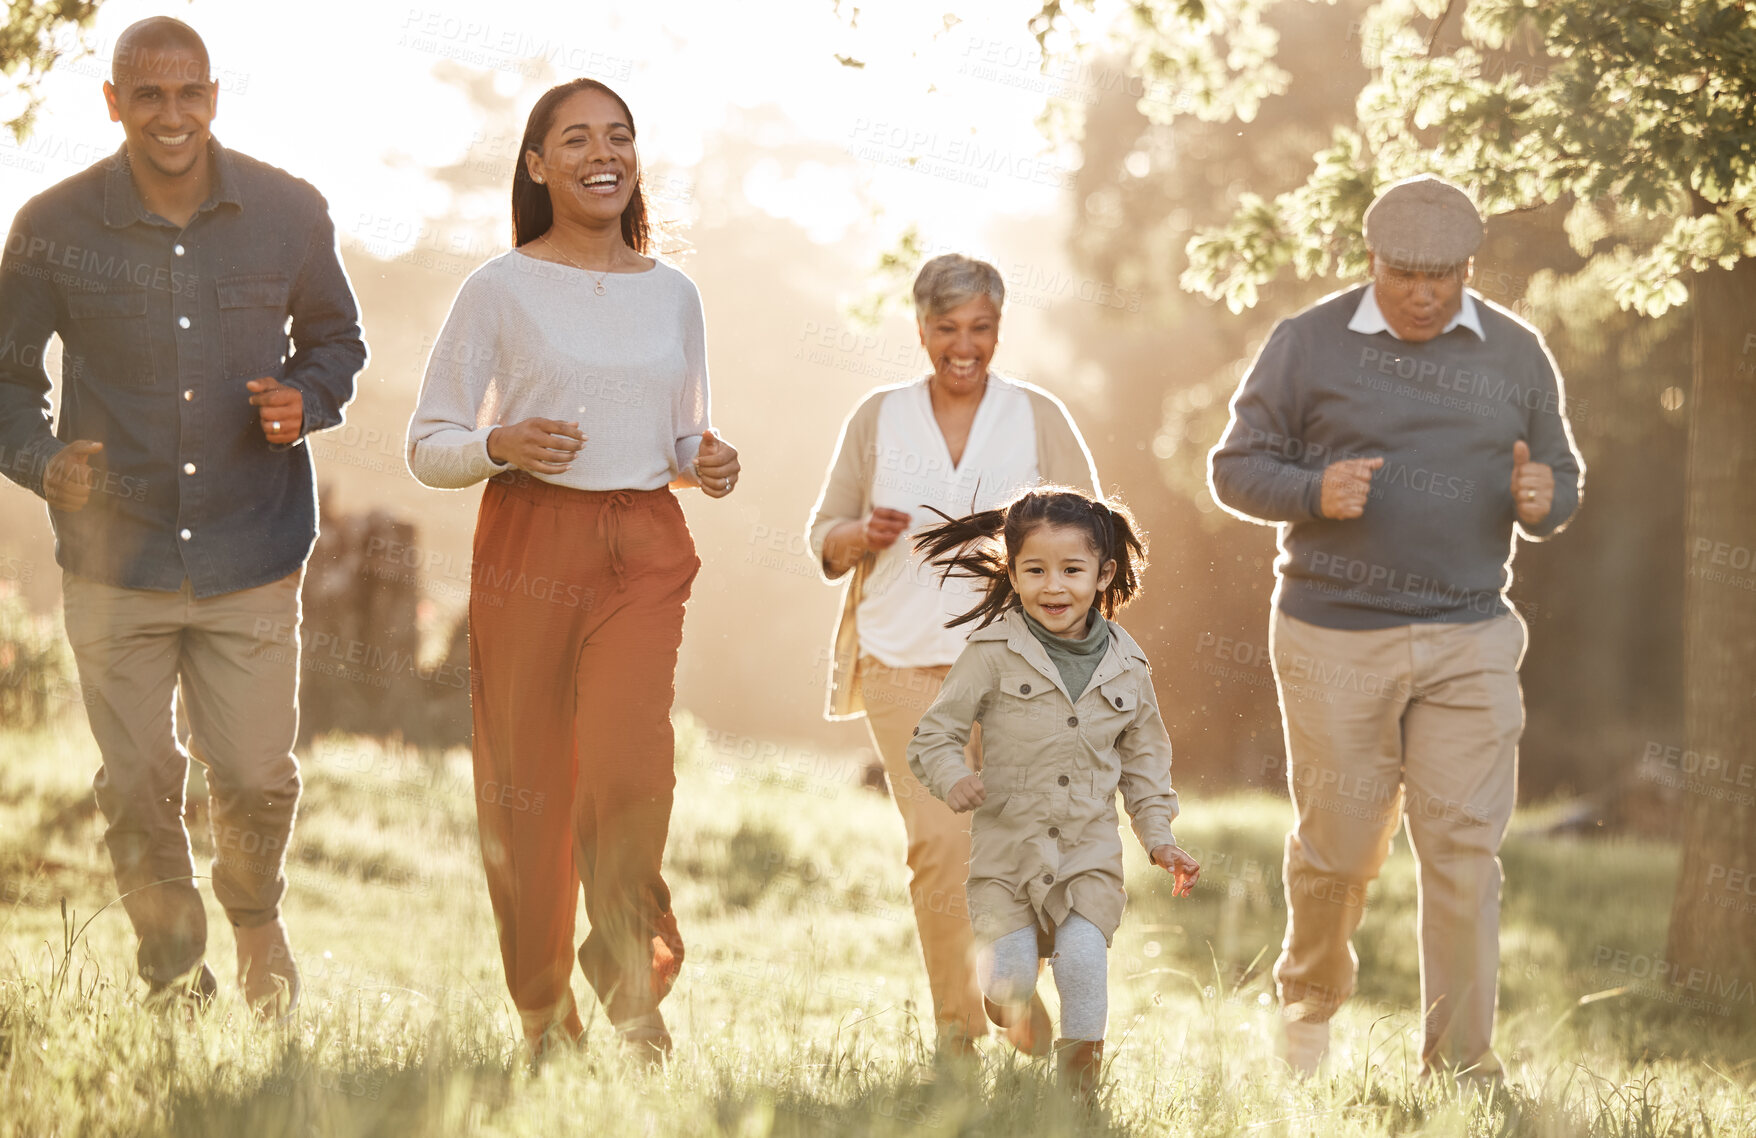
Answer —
(1305, 1044)
(267, 974)
(193, 991)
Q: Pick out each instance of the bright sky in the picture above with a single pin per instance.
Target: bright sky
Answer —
(937, 130)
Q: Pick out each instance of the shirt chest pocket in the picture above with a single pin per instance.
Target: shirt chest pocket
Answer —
(107, 337)
(254, 324)
(1029, 708)
(1118, 703)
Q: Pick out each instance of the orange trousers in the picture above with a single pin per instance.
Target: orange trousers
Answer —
(575, 618)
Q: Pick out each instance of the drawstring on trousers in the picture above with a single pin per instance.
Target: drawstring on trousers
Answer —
(610, 531)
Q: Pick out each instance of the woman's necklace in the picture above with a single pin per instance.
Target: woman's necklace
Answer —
(599, 287)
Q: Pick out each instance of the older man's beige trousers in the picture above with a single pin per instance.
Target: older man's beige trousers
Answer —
(1419, 721)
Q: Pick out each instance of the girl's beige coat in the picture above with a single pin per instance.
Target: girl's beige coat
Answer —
(1046, 841)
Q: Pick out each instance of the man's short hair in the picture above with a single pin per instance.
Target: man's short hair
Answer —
(954, 279)
(1423, 223)
(142, 46)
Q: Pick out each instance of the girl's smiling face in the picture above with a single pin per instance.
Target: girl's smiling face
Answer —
(1058, 575)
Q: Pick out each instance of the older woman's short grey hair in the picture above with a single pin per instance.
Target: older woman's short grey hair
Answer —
(953, 279)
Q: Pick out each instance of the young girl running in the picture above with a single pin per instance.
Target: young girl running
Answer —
(1068, 716)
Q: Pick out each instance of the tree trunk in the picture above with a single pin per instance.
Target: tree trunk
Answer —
(1712, 949)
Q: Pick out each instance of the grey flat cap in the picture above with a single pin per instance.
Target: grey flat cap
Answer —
(1423, 223)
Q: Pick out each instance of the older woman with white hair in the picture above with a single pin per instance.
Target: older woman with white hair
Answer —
(958, 439)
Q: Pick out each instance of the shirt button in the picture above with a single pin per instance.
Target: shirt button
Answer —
(1054, 831)
(177, 249)
(188, 468)
(1048, 879)
(182, 322)
(188, 394)
(1073, 721)
(185, 534)
(1023, 689)
(1062, 781)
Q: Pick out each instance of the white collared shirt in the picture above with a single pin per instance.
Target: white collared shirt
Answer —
(1369, 318)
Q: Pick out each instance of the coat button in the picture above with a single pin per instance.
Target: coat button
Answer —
(1023, 689)
(1073, 721)
(1118, 701)
(1054, 831)
(1048, 879)
(1062, 781)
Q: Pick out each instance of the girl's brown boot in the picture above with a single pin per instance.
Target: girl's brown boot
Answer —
(1079, 1062)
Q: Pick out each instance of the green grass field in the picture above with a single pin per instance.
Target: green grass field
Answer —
(802, 1007)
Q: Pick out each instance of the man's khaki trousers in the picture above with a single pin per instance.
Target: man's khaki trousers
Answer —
(938, 844)
(235, 659)
(1419, 721)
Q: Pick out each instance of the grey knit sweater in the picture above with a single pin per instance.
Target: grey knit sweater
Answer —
(1436, 540)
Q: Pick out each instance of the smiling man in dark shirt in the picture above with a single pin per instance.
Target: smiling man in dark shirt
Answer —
(1399, 434)
(207, 328)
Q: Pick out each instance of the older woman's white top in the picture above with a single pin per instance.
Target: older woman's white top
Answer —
(906, 603)
(532, 339)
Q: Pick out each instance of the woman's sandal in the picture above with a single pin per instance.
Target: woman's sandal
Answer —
(645, 1037)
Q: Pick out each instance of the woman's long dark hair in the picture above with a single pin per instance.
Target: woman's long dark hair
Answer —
(532, 212)
(966, 546)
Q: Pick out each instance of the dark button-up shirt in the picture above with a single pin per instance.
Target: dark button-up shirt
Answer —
(161, 328)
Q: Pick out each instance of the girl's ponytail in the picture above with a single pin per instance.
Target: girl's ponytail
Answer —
(966, 547)
(1119, 542)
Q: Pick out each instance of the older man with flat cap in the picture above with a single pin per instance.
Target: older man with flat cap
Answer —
(1398, 433)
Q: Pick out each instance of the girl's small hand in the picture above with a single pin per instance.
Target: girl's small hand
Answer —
(1186, 868)
(967, 794)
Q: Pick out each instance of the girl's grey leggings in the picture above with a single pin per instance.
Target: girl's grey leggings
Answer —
(1007, 970)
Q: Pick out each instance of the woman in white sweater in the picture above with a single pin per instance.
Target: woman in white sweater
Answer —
(572, 375)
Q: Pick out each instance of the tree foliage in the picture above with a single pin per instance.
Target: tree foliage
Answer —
(1211, 59)
(30, 46)
(1635, 112)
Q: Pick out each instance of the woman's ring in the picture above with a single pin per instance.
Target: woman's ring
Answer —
(274, 426)
(1530, 495)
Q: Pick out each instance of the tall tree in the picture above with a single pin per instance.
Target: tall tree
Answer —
(31, 43)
